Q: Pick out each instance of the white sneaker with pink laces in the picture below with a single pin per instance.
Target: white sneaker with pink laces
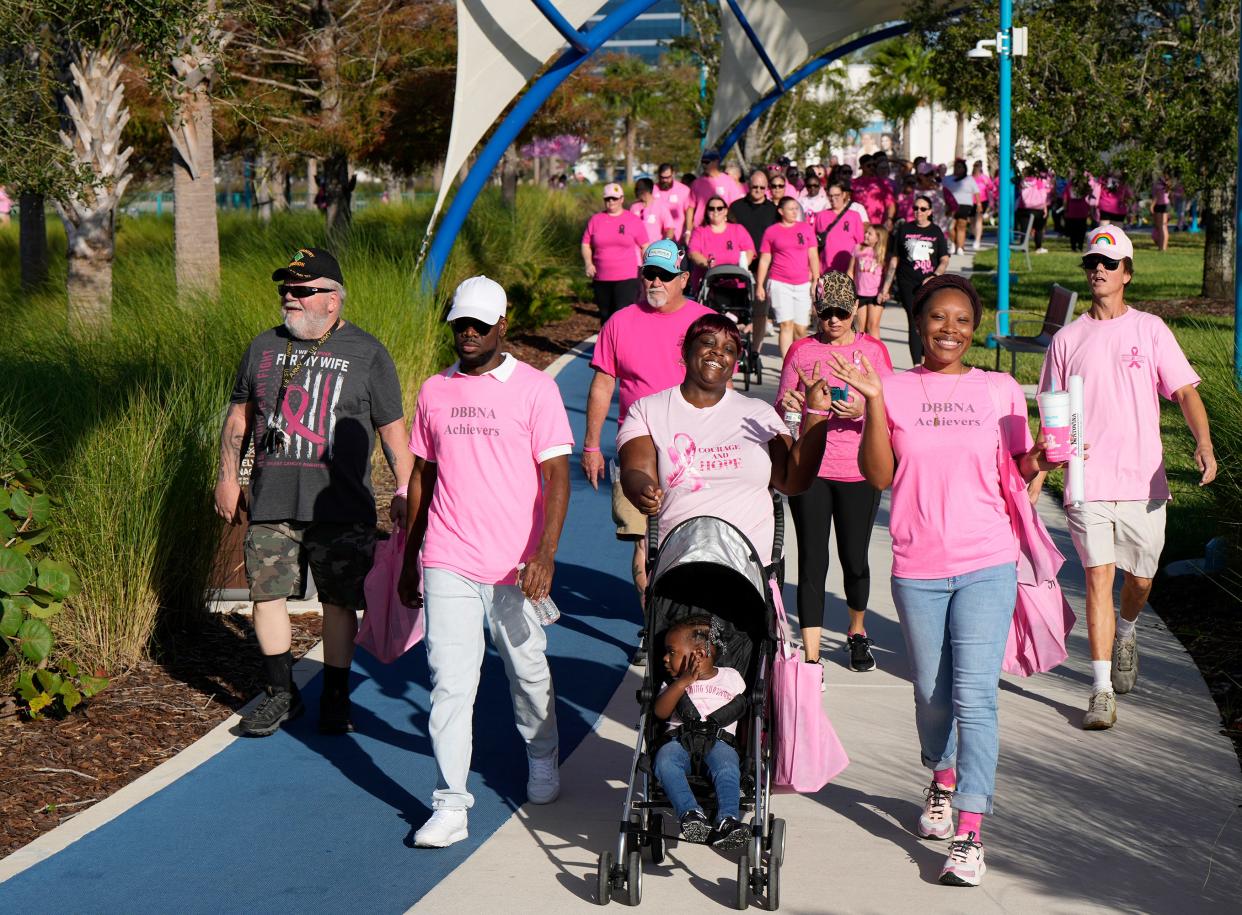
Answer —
(964, 866)
(936, 821)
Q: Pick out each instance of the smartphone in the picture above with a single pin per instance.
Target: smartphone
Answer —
(842, 393)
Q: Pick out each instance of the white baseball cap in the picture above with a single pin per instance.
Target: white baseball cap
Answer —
(1109, 241)
(479, 298)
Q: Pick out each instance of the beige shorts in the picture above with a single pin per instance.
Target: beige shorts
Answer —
(631, 523)
(1129, 534)
(790, 302)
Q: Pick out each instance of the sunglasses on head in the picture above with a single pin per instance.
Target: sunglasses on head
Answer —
(651, 274)
(828, 312)
(1094, 260)
(461, 325)
(300, 292)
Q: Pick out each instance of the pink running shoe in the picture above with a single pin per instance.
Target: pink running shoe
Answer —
(936, 821)
(964, 866)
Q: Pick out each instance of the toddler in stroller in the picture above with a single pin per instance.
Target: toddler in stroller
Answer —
(702, 705)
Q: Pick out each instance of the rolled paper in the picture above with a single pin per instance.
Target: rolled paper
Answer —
(1074, 482)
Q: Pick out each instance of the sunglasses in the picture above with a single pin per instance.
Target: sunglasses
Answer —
(461, 325)
(606, 199)
(300, 292)
(835, 311)
(758, 187)
(716, 209)
(922, 209)
(778, 186)
(1094, 260)
(651, 274)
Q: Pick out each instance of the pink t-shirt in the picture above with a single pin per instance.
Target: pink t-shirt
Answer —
(616, 245)
(905, 206)
(1034, 193)
(641, 348)
(1160, 193)
(709, 695)
(948, 516)
(986, 186)
(724, 246)
(1075, 207)
(712, 461)
(1114, 199)
(704, 188)
(479, 430)
(788, 246)
(656, 219)
(875, 194)
(844, 435)
(812, 205)
(840, 241)
(676, 198)
(868, 271)
(1127, 364)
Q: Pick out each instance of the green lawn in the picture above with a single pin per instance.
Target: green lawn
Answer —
(1197, 514)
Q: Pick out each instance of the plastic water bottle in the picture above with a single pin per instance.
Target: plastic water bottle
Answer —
(793, 419)
(545, 610)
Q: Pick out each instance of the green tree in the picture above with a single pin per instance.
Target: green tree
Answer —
(903, 79)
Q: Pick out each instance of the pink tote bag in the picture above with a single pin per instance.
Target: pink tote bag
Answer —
(389, 628)
(808, 751)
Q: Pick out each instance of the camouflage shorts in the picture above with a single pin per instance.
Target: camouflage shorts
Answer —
(339, 556)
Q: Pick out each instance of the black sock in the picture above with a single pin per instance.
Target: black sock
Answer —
(278, 670)
(335, 681)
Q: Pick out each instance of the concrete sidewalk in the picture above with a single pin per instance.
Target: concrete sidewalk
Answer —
(1143, 818)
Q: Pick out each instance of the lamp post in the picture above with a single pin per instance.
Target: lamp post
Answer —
(1009, 43)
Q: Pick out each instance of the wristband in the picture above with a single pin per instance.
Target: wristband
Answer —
(586, 450)
(402, 491)
(820, 412)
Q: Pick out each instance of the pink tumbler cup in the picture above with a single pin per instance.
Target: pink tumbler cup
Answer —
(1054, 420)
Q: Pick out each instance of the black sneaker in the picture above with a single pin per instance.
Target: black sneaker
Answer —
(694, 827)
(730, 833)
(861, 658)
(334, 714)
(277, 707)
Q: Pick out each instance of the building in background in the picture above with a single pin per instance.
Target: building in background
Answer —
(649, 34)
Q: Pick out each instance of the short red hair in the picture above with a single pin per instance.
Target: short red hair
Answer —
(715, 324)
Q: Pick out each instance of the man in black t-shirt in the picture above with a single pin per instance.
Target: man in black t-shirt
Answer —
(754, 213)
(917, 251)
(311, 394)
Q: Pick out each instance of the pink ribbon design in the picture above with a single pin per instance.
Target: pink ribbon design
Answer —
(681, 453)
(1134, 363)
(293, 422)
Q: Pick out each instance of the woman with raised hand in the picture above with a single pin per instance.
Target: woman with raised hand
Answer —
(932, 434)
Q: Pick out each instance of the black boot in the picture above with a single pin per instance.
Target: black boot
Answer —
(282, 702)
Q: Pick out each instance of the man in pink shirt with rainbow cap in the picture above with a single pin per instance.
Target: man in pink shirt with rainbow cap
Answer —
(1128, 359)
(487, 497)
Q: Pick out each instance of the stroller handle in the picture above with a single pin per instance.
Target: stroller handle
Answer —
(653, 541)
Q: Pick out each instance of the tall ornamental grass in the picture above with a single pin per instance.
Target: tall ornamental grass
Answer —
(125, 429)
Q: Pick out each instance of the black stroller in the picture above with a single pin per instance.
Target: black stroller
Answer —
(720, 291)
(706, 566)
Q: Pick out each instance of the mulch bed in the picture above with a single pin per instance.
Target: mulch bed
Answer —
(205, 666)
(1202, 611)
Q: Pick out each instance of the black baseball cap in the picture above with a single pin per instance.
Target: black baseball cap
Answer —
(310, 264)
(710, 155)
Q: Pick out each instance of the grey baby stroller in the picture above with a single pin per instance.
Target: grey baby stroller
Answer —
(706, 566)
(730, 290)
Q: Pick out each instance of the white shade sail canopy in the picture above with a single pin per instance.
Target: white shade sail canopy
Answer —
(791, 32)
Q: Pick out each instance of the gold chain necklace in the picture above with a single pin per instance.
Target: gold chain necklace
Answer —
(927, 398)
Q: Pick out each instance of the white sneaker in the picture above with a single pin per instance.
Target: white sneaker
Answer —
(544, 784)
(974, 247)
(446, 826)
(1041, 250)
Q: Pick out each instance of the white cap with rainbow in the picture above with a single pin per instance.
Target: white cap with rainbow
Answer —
(1109, 241)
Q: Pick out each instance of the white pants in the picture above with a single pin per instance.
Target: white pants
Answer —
(455, 610)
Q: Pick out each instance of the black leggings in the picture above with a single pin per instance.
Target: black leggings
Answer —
(851, 509)
(1076, 229)
(905, 291)
(613, 295)
(1037, 227)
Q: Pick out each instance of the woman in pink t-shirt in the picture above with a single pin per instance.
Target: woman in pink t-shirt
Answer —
(612, 247)
(932, 434)
(717, 241)
(788, 269)
(1113, 199)
(839, 497)
(701, 448)
(867, 272)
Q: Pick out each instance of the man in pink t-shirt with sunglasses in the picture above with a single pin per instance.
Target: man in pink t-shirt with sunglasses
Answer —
(1127, 359)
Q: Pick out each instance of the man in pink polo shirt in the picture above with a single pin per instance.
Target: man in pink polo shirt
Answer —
(488, 493)
(1128, 359)
(653, 214)
(712, 183)
(640, 350)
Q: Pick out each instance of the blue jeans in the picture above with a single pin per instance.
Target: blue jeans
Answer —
(672, 765)
(955, 630)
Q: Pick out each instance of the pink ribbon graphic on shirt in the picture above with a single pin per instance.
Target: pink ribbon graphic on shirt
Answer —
(293, 422)
(1134, 363)
(681, 453)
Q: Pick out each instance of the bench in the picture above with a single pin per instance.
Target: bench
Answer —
(1020, 241)
(1061, 304)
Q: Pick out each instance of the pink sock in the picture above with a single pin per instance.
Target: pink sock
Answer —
(945, 778)
(969, 822)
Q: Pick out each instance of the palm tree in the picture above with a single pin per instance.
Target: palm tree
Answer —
(901, 82)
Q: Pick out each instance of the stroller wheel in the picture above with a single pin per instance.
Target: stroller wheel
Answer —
(774, 883)
(634, 878)
(655, 839)
(776, 840)
(743, 883)
(603, 891)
